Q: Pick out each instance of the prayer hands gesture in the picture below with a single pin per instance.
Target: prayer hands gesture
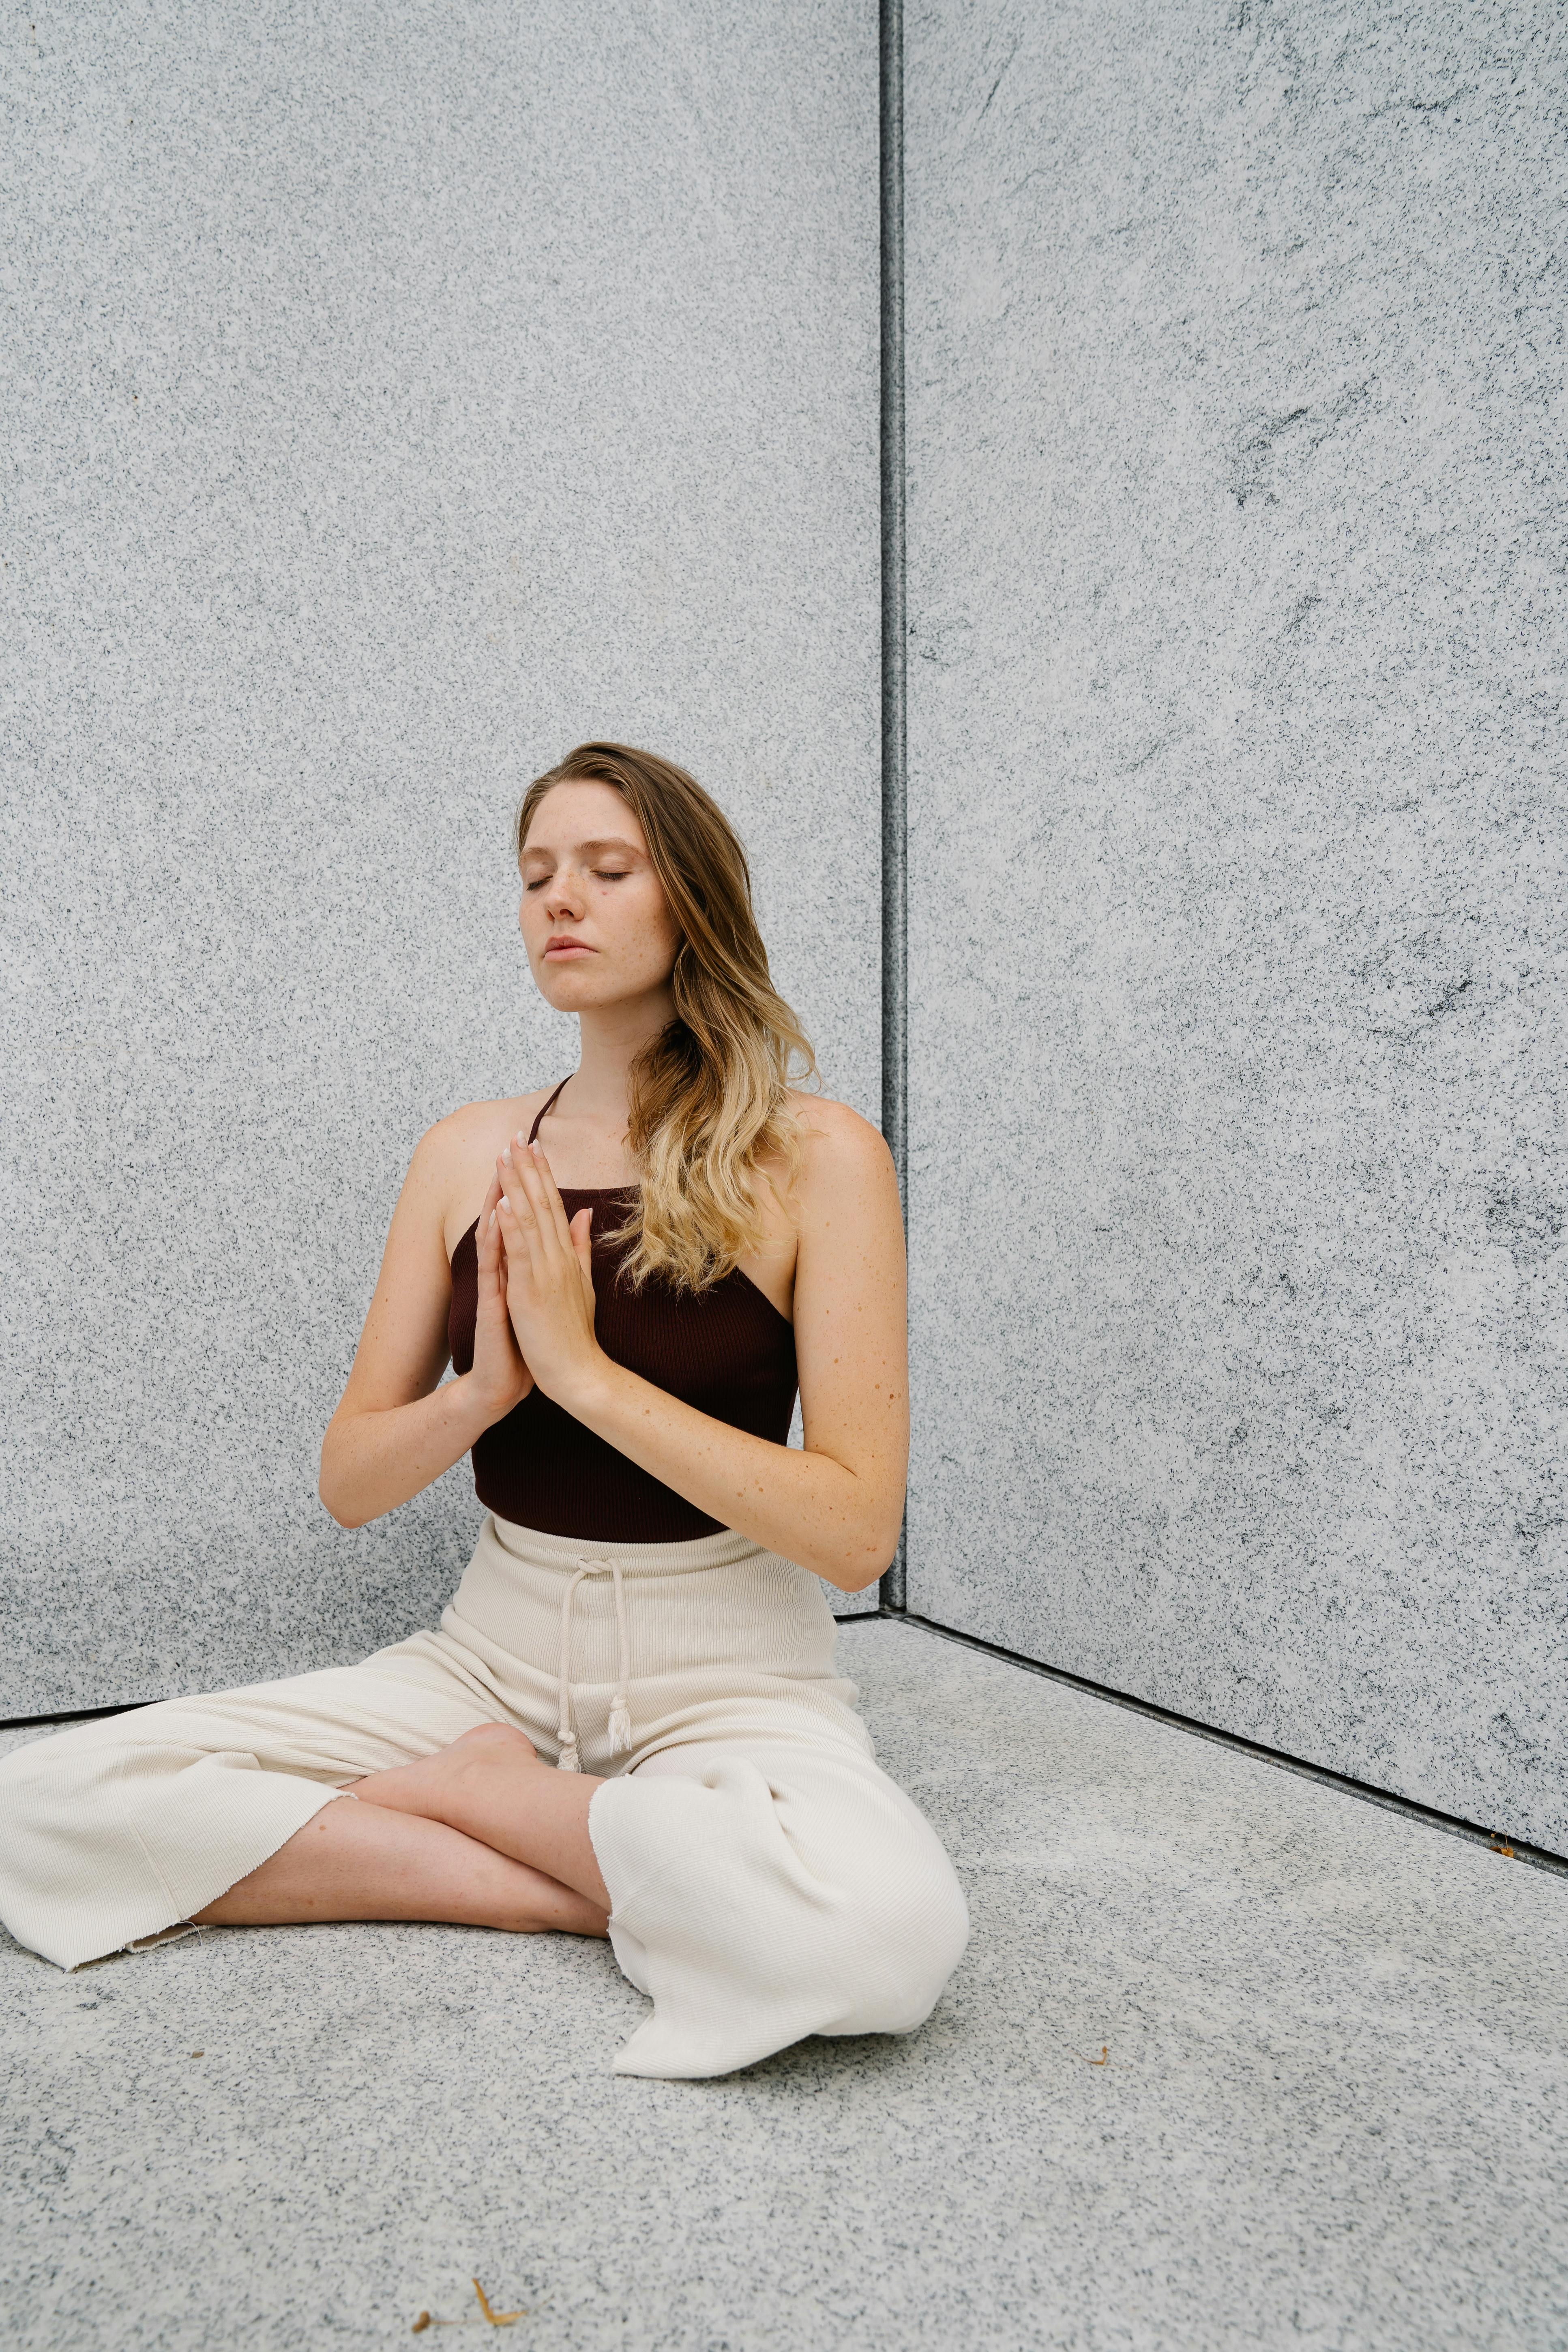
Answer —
(499, 1373)
(545, 1283)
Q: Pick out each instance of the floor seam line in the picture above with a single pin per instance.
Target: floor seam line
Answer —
(1451, 1825)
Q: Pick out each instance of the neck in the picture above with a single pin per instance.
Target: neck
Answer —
(610, 1038)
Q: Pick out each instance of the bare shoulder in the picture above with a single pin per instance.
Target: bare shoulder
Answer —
(454, 1159)
(840, 1153)
(476, 1122)
(849, 1229)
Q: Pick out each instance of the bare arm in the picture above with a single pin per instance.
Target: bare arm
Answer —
(395, 1430)
(834, 1506)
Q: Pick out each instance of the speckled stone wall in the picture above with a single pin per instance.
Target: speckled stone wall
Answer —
(1237, 514)
(395, 396)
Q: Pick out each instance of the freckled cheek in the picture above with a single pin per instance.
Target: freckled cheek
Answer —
(649, 937)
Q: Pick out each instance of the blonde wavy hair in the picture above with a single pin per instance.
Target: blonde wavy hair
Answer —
(709, 1094)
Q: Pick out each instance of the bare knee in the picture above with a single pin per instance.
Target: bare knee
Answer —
(491, 1744)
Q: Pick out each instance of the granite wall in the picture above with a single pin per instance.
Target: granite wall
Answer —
(1236, 507)
(397, 396)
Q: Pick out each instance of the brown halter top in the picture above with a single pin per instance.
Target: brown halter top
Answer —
(726, 1351)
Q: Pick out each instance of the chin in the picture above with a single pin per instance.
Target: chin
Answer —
(570, 987)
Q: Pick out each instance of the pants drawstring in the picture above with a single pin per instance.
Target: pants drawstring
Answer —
(620, 1707)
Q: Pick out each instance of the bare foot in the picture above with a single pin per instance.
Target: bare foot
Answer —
(491, 1785)
(427, 1787)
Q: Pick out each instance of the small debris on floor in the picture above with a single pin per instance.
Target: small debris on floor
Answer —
(1103, 2059)
(496, 2318)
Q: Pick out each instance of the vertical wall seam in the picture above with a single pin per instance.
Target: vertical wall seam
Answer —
(895, 772)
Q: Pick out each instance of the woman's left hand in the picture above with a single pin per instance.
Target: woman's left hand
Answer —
(549, 1274)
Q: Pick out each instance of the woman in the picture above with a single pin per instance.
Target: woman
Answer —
(628, 1723)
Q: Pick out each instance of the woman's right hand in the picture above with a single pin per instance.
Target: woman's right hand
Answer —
(499, 1376)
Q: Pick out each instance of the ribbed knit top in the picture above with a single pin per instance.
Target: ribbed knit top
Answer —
(726, 1350)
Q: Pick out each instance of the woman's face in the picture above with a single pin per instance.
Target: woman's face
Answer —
(595, 919)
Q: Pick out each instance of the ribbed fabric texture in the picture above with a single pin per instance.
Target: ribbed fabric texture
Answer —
(768, 1880)
(726, 1351)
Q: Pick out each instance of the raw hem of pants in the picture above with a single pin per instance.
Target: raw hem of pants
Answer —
(181, 1922)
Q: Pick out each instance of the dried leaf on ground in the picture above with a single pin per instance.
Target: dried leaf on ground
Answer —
(496, 2318)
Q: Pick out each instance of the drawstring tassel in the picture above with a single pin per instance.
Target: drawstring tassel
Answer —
(620, 1724)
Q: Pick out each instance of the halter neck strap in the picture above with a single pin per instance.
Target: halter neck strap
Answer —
(539, 1114)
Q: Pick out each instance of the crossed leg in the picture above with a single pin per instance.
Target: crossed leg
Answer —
(481, 1835)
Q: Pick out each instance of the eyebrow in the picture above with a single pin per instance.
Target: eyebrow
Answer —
(610, 841)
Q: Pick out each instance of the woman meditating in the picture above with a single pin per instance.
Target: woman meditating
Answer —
(628, 1723)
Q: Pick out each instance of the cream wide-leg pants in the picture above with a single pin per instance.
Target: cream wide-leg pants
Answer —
(767, 1879)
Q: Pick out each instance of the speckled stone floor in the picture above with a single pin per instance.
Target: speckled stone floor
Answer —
(1332, 2112)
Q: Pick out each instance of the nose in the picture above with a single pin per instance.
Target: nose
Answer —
(564, 894)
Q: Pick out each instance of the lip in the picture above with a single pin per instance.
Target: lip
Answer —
(568, 947)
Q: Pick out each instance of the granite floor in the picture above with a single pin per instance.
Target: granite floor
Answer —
(1332, 2112)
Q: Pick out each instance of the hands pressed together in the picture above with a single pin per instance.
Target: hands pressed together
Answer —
(833, 1505)
(534, 1321)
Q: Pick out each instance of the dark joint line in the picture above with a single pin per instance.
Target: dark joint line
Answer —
(1539, 1857)
(895, 772)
